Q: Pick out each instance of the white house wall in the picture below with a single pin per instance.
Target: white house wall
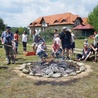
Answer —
(39, 29)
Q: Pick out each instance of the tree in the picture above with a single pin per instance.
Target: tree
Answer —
(93, 18)
(2, 25)
(21, 29)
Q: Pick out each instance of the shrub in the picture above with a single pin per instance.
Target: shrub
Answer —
(47, 35)
(81, 37)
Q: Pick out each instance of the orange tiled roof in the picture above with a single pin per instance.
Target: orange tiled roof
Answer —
(55, 19)
(85, 21)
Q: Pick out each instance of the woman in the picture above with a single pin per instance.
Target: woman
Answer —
(24, 41)
(85, 53)
(16, 39)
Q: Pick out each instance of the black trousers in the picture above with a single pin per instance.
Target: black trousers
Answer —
(24, 46)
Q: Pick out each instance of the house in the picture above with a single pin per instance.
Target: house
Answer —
(55, 21)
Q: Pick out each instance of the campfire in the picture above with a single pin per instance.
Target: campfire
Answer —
(52, 69)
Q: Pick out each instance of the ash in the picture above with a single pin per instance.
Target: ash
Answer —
(53, 69)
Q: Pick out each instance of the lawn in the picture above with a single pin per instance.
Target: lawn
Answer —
(14, 86)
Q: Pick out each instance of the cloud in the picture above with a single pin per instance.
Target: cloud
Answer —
(18, 13)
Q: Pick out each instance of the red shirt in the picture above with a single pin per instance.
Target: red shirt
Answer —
(55, 47)
(16, 37)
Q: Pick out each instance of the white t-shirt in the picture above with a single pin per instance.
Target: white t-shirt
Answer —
(39, 48)
(24, 37)
(57, 40)
(73, 37)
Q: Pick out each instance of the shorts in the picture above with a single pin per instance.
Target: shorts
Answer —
(73, 45)
(67, 46)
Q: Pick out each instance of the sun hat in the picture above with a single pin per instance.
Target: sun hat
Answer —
(64, 28)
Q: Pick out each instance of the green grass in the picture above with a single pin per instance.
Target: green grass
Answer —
(79, 42)
(14, 86)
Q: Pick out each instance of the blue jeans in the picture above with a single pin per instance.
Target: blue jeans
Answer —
(57, 53)
(42, 54)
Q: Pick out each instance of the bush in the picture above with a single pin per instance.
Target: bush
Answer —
(81, 37)
(47, 35)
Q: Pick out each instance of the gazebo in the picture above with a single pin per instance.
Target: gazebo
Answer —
(87, 29)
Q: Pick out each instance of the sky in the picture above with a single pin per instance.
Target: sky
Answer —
(20, 13)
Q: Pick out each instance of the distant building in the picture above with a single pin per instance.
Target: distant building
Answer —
(57, 21)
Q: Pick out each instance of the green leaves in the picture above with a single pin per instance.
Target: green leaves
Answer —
(93, 18)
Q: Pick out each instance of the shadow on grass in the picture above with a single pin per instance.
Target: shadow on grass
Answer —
(20, 60)
(38, 83)
(3, 67)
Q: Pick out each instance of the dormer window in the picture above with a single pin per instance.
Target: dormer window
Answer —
(63, 20)
(44, 24)
(30, 23)
(56, 21)
(35, 23)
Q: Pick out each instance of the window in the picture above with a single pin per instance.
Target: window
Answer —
(56, 21)
(44, 24)
(63, 20)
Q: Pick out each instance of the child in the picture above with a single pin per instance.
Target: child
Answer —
(86, 42)
(56, 50)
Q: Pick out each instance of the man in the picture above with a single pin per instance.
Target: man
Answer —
(65, 37)
(96, 38)
(94, 49)
(41, 50)
(7, 40)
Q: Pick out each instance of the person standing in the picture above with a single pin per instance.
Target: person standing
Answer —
(95, 33)
(24, 41)
(35, 40)
(65, 37)
(16, 39)
(73, 37)
(57, 39)
(94, 49)
(55, 33)
(7, 38)
(96, 38)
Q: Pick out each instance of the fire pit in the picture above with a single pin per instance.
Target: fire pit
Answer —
(53, 69)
